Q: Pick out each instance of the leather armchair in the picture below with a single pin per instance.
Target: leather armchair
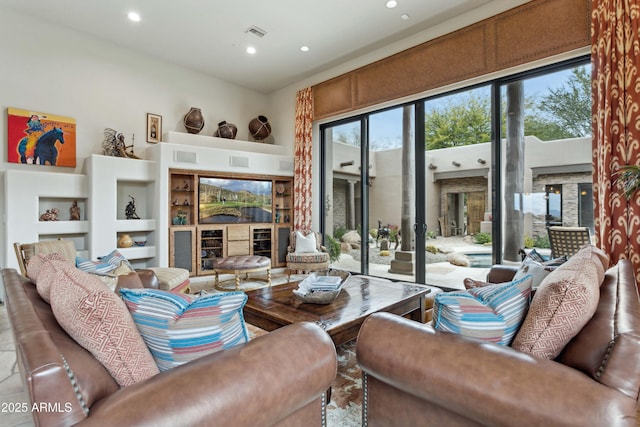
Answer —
(278, 379)
(414, 375)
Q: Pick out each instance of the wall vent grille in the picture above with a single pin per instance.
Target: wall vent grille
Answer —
(185, 157)
(285, 166)
(239, 162)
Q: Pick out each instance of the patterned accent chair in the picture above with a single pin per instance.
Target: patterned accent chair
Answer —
(304, 258)
(567, 241)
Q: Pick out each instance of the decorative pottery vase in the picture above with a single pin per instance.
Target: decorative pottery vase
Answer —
(260, 128)
(125, 241)
(226, 130)
(193, 120)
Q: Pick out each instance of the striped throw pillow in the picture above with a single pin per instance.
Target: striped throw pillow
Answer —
(178, 328)
(492, 313)
(115, 258)
(105, 264)
(95, 267)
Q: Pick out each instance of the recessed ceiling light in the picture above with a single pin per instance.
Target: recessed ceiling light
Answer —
(251, 50)
(404, 16)
(391, 4)
(305, 48)
(133, 16)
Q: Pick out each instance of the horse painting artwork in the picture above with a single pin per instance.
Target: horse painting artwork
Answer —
(45, 149)
(41, 139)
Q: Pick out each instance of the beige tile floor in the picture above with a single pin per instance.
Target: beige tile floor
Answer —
(12, 393)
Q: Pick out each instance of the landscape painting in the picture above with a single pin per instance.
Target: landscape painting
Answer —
(40, 138)
(224, 201)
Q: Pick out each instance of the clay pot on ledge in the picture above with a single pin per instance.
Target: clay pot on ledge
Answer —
(226, 130)
(125, 241)
(259, 128)
(193, 120)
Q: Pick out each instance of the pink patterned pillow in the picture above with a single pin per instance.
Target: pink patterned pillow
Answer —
(98, 320)
(564, 302)
(47, 272)
(37, 261)
(598, 256)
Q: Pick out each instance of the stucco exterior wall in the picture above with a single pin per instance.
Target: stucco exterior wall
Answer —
(444, 178)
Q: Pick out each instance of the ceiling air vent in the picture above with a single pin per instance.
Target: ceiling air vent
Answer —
(256, 31)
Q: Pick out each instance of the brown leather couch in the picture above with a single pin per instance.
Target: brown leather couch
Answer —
(414, 375)
(278, 379)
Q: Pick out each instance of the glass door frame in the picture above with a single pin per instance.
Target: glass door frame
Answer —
(419, 227)
(496, 182)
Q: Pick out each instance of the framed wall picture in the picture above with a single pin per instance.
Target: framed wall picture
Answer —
(40, 138)
(154, 128)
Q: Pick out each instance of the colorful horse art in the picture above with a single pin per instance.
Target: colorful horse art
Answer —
(46, 150)
(41, 141)
(37, 148)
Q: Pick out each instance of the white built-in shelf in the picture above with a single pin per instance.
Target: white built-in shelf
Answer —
(138, 252)
(133, 225)
(62, 227)
(225, 143)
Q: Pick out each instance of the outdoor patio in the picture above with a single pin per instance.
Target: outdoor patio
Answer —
(439, 271)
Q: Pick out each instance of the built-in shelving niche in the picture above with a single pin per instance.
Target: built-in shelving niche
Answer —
(142, 229)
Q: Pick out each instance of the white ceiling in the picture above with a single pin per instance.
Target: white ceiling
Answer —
(210, 36)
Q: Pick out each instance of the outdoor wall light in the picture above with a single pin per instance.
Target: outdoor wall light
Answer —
(432, 166)
(456, 164)
(482, 161)
(349, 163)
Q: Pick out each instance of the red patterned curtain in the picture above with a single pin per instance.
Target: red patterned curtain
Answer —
(302, 159)
(615, 56)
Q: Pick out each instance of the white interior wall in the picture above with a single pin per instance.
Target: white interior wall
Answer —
(47, 68)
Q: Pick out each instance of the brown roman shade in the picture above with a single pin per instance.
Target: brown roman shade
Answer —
(533, 31)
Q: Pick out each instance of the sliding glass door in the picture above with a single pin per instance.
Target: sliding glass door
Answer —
(439, 189)
(342, 191)
(546, 151)
(457, 150)
(391, 186)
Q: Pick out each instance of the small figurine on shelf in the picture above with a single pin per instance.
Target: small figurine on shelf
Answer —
(286, 218)
(50, 215)
(186, 185)
(114, 145)
(175, 202)
(130, 210)
(74, 211)
(183, 217)
(185, 203)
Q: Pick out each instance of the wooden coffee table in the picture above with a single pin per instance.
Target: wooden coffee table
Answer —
(277, 306)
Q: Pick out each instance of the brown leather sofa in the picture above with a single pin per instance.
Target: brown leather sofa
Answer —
(413, 375)
(278, 379)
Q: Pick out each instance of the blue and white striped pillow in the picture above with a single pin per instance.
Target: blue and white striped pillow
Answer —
(178, 328)
(115, 258)
(95, 267)
(492, 313)
(105, 264)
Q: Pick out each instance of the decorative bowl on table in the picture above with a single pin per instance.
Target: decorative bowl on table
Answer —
(321, 287)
